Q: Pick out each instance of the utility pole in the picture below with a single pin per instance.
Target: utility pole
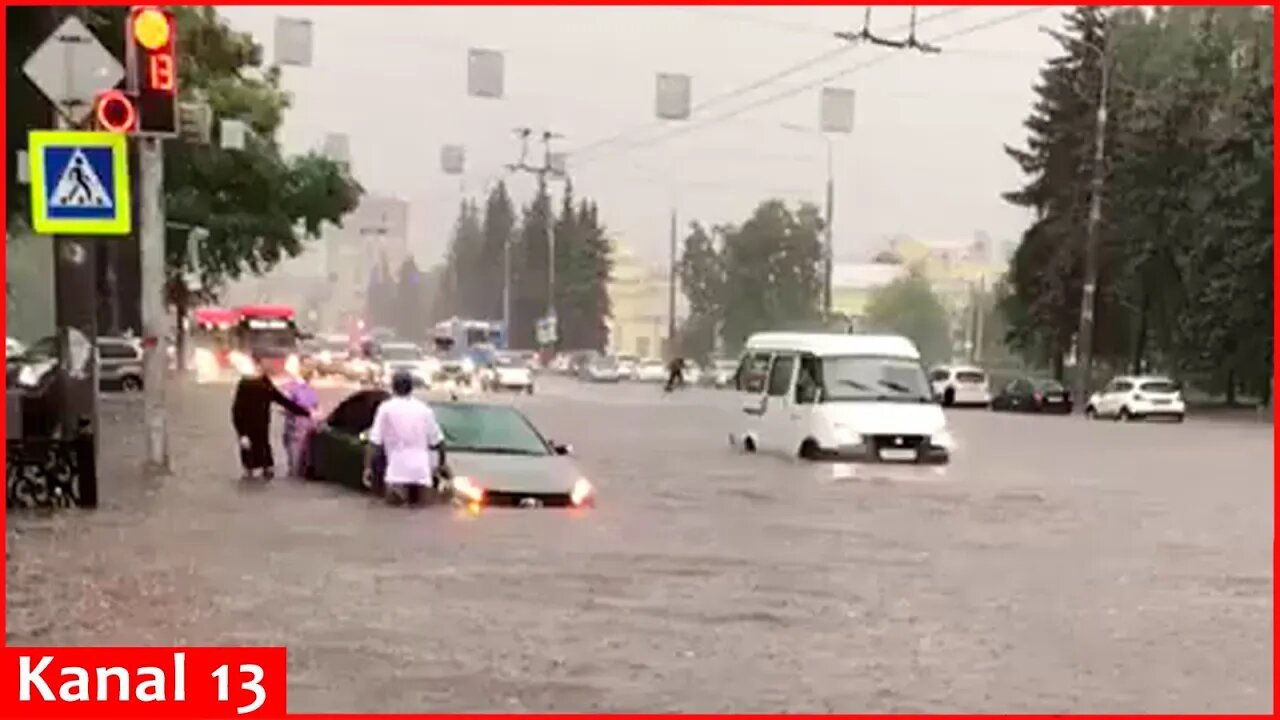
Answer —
(151, 234)
(1088, 297)
(541, 172)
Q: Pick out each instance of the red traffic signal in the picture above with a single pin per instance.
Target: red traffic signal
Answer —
(114, 112)
(153, 69)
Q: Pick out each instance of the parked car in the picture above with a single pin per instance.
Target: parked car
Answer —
(600, 369)
(651, 370)
(1138, 397)
(510, 372)
(960, 385)
(1033, 394)
(692, 373)
(722, 372)
(627, 366)
(120, 363)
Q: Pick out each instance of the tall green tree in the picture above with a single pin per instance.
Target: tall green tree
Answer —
(772, 272)
(498, 228)
(259, 205)
(412, 301)
(1046, 274)
(701, 274)
(908, 307)
(531, 256)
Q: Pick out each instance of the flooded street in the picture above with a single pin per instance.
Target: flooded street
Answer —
(1057, 565)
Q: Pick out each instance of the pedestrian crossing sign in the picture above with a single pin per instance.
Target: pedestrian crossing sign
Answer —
(79, 183)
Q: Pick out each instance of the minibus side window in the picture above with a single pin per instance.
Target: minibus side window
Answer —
(809, 381)
(753, 372)
(780, 376)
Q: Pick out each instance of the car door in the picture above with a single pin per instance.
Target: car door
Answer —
(752, 381)
(1109, 401)
(780, 417)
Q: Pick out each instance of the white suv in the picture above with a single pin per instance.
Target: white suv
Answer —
(1131, 397)
(960, 385)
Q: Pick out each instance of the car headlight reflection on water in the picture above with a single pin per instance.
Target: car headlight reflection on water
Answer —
(468, 489)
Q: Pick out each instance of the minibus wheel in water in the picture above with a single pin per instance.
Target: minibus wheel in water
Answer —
(749, 444)
(809, 450)
(949, 397)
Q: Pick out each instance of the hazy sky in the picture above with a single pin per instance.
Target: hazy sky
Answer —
(924, 159)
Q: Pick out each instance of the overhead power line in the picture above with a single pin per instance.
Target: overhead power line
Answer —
(680, 130)
(851, 40)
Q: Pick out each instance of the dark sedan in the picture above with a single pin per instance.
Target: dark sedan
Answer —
(496, 457)
(1033, 395)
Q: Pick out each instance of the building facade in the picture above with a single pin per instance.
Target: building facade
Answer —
(638, 294)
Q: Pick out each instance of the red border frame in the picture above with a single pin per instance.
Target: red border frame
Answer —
(4, 188)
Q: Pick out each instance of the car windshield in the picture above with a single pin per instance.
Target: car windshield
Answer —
(1046, 385)
(493, 429)
(401, 352)
(873, 378)
(1159, 386)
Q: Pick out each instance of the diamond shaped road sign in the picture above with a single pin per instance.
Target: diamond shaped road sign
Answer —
(71, 67)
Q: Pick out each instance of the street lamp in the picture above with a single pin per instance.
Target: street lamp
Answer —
(828, 229)
(1088, 297)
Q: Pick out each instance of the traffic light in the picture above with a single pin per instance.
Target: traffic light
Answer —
(113, 111)
(153, 69)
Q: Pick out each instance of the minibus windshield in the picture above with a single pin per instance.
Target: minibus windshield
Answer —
(874, 378)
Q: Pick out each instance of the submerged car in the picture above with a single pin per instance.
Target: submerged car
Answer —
(495, 456)
(1033, 395)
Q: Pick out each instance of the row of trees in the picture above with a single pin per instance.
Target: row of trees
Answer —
(485, 244)
(763, 274)
(399, 300)
(1186, 240)
(259, 205)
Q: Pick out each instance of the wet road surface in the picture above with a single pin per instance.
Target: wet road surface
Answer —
(1057, 565)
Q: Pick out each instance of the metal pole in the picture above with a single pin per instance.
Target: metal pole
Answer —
(1084, 339)
(829, 251)
(671, 286)
(506, 286)
(551, 256)
(151, 234)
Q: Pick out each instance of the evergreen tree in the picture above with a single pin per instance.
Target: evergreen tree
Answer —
(530, 263)
(498, 228)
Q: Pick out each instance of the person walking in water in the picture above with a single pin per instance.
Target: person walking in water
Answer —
(296, 427)
(251, 418)
(405, 430)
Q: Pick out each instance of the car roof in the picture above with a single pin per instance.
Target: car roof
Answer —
(827, 344)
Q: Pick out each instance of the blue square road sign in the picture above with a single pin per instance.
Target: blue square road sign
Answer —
(79, 183)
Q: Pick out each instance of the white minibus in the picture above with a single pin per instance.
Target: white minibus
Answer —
(855, 397)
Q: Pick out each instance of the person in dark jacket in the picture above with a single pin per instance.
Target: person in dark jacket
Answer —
(251, 418)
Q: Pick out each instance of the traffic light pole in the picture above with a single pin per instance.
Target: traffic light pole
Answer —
(151, 233)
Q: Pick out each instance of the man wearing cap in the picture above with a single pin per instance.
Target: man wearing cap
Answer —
(406, 430)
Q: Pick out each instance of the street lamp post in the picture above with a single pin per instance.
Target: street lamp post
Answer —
(1088, 297)
(829, 225)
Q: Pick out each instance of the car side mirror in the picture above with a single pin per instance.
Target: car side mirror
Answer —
(561, 448)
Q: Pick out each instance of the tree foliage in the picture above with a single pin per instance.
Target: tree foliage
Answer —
(1185, 280)
(908, 307)
(767, 275)
(472, 283)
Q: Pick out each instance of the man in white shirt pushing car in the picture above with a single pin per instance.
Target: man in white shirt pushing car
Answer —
(406, 430)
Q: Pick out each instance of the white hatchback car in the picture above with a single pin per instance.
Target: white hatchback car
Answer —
(960, 385)
(1131, 397)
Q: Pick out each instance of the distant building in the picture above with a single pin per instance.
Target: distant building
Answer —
(327, 283)
(638, 294)
(853, 284)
